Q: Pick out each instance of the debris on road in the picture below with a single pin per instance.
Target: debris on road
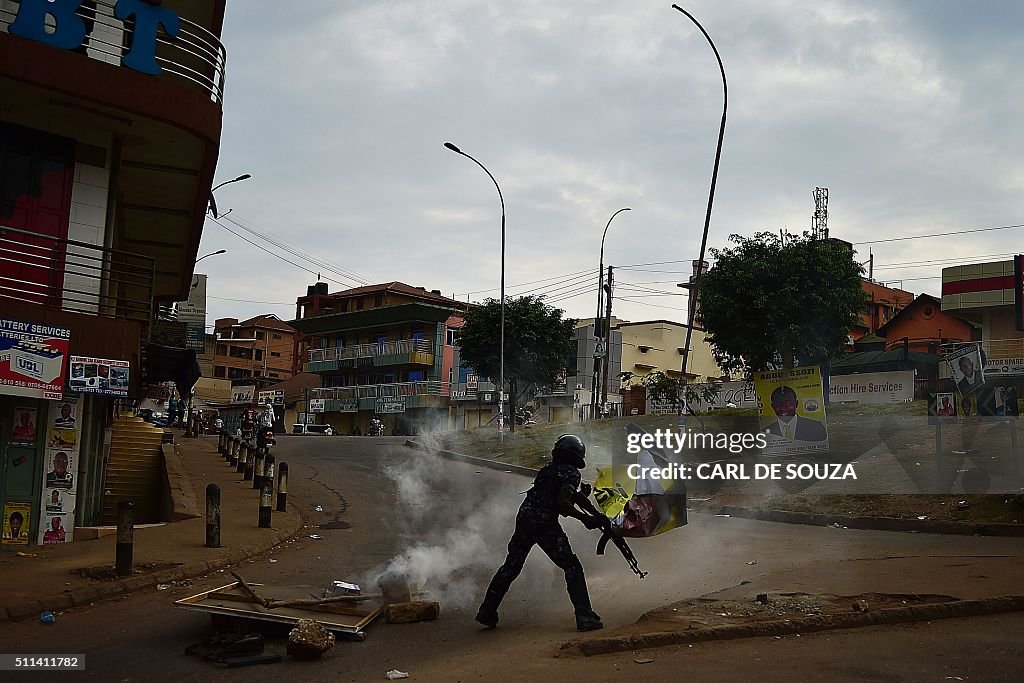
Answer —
(163, 586)
(315, 537)
(319, 508)
(412, 612)
(309, 640)
(643, 661)
(752, 562)
(860, 606)
(762, 598)
(47, 617)
(395, 674)
(963, 505)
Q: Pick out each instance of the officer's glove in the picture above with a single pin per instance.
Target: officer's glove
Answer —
(596, 522)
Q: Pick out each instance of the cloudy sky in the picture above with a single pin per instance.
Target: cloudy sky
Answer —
(908, 111)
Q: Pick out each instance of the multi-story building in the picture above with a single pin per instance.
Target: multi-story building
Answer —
(258, 351)
(657, 346)
(991, 296)
(384, 350)
(883, 305)
(109, 135)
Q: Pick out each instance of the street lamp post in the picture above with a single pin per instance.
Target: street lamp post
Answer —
(212, 253)
(501, 376)
(594, 386)
(707, 223)
(213, 202)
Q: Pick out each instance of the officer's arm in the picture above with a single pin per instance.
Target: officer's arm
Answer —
(567, 504)
(585, 504)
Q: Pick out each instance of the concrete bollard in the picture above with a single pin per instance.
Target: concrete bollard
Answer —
(220, 443)
(125, 537)
(212, 516)
(265, 509)
(282, 487)
(257, 473)
(268, 471)
(246, 456)
(235, 444)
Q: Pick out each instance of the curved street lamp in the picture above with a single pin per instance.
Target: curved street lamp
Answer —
(213, 202)
(213, 253)
(501, 377)
(600, 305)
(707, 222)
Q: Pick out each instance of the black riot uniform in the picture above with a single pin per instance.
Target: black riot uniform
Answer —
(537, 523)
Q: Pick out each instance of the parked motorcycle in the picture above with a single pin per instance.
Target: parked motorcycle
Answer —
(376, 428)
(524, 418)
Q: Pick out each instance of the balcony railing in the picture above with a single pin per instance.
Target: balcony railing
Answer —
(403, 346)
(75, 276)
(195, 55)
(426, 388)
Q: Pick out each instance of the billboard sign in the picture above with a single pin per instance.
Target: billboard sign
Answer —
(242, 394)
(872, 387)
(99, 376)
(275, 396)
(316, 405)
(390, 405)
(33, 359)
(796, 407)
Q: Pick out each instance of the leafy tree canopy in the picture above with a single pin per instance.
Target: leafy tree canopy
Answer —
(537, 341)
(772, 300)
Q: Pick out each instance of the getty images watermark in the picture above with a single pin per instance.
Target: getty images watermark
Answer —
(667, 440)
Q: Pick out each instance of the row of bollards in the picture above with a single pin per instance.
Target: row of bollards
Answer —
(254, 464)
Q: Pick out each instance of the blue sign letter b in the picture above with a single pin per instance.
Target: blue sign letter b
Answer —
(31, 23)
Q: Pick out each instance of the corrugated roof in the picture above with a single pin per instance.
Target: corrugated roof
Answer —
(399, 287)
(268, 321)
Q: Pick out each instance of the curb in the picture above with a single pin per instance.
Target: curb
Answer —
(473, 460)
(890, 615)
(84, 595)
(929, 526)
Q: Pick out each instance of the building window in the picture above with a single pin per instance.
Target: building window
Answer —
(275, 336)
(273, 374)
(220, 371)
(259, 355)
(451, 336)
(222, 349)
(359, 304)
(415, 375)
(378, 300)
(275, 354)
(260, 335)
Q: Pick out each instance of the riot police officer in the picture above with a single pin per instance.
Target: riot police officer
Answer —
(555, 492)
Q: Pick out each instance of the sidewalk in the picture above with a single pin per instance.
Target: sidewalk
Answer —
(46, 578)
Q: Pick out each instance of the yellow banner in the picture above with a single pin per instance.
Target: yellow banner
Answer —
(792, 410)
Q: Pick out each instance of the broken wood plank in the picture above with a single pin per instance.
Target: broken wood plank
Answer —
(248, 589)
(310, 602)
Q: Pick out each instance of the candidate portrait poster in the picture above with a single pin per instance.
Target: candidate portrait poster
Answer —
(967, 369)
(792, 411)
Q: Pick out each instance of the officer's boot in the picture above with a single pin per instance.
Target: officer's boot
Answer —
(576, 583)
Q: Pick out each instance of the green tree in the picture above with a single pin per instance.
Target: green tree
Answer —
(537, 343)
(660, 386)
(773, 300)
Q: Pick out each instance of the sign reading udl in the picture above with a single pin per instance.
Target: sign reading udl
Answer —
(33, 358)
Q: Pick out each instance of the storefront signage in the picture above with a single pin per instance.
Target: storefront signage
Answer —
(348, 405)
(316, 405)
(99, 376)
(242, 394)
(872, 387)
(276, 397)
(390, 405)
(55, 23)
(1005, 367)
(33, 358)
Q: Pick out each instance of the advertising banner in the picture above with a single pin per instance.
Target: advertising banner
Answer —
(275, 397)
(872, 387)
(33, 358)
(390, 405)
(242, 394)
(797, 411)
(1004, 367)
(99, 376)
(316, 405)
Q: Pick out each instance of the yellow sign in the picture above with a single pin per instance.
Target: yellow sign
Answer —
(17, 523)
(792, 410)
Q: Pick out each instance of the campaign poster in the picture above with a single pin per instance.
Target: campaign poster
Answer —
(55, 529)
(793, 411)
(33, 358)
(967, 369)
(23, 433)
(60, 469)
(17, 523)
(942, 405)
(54, 500)
(66, 414)
(997, 402)
(99, 376)
(62, 438)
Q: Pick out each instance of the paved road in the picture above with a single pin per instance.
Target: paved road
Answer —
(451, 522)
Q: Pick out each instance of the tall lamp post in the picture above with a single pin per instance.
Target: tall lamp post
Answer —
(501, 376)
(213, 202)
(212, 253)
(594, 386)
(707, 223)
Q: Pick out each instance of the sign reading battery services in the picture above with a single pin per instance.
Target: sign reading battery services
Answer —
(33, 359)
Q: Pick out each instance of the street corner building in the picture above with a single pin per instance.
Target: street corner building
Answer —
(110, 126)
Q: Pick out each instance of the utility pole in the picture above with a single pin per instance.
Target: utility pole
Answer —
(607, 339)
(595, 385)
